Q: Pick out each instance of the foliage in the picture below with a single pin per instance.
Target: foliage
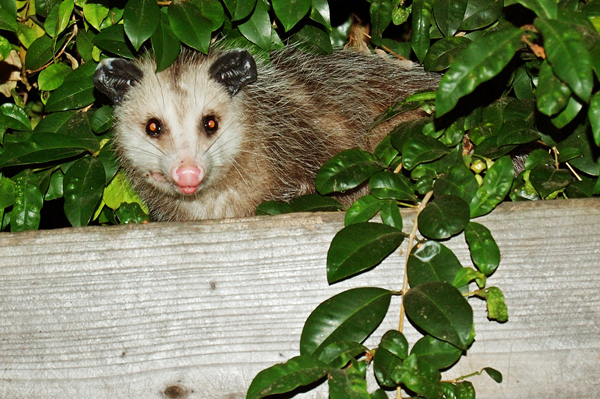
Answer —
(520, 77)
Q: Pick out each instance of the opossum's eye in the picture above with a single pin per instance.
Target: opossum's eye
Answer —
(210, 124)
(153, 127)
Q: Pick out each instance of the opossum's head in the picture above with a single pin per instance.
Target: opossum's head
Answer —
(178, 130)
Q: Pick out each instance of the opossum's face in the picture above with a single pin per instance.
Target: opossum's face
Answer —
(178, 130)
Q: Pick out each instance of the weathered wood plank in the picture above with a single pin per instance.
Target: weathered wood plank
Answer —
(130, 311)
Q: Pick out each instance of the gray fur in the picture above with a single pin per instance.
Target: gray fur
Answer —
(273, 134)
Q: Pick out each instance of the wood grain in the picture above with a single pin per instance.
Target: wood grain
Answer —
(195, 310)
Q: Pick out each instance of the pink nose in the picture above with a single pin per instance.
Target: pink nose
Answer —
(188, 178)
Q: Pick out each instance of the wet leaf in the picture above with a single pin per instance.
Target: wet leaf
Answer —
(164, 44)
(421, 149)
(390, 215)
(388, 185)
(190, 26)
(496, 185)
(422, 11)
(439, 354)
(359, 247)
(83, 188)
(363, 209)
(349, 316)
(432, 262)
(459, 182)
(41, 148)
(290, 12)
(28, 203)
(257, 29)
(346, 170)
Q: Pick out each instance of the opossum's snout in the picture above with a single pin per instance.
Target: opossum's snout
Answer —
(188, 177)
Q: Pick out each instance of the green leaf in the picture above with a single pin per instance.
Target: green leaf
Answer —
(119, 192)
(481, 13)
(388, 185)
(478, 63)
(440, 310)
(444, 52)
(379, 394)
(52, 77)
(422, 149)
(319, 13)
(466, 275)
(484, 250)
(96, 12)
(444, 217)
(42, 148)
(551, 93)
(594, 116)
(190, 26)
(339, 354)
(74, 94)
(112, 39)
(64, 15)
(390, 215)
(83, 188)
(465, 390)
(102, 119)
(547, 179)
(140, 20)
(459, 182)
(349, 316)
(273, 208)
(420, 377)
(7, 192)
(315, 203)
(41, 52)
(240, 9)
(543, 8)
(568, 113)
(568, 56)
(381, 16)
(349, 383)
(346, 170)
(55, 122)
(212, 10)
(55, 189)
(389, 355)
(439, 354)
(290, 12)
(8, 21)
(363, 209)
(257, 29)
(132, 213)
(165, 44)
(495, 187)
(359, 247)
(494, 374)
(29, 200)
(538, 157)
(432, 262)
(516, 132)
(422, 11)
(449, 15)
(582, 141)
(281, 378)
(313, 39)
(15, 117)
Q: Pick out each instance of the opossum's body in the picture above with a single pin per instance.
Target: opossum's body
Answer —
(214, 136)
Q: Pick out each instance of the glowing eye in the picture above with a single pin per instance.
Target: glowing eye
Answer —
(153, 127)
(210, 124)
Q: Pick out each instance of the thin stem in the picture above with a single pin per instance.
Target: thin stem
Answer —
(411, 240)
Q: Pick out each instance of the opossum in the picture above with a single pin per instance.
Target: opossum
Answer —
(213, 136)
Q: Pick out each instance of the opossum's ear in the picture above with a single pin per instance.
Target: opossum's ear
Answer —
(234, 70)
(115, 76)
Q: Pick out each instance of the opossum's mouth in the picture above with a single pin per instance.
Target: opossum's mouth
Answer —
(180, 186)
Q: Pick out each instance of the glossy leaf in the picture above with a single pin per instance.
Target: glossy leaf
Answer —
(480, 13)
(339, 354)
(567, 115)
(465, 390)
(346, 170)
(83, 187)
(439, 354)
(52, 77)
(484, 250)
(552, 94)
(547, 179)
(290, 12)
(55, 189)
(15, 117)
(359, 247)
(72, 95)
(444, 217)
(96, 12)
(495, 187)
(190, 26)
(459, 182)
(7, 192)
(422, 11)
(444, 52)
(363, 209)
(580, 140)
(479, 62)
(594, 116)
(41, 148)
(319, 13)
(119, 191)
(112, 39)
(239, 9)
(568, 56)
(140, 20)
(285, 377)
(516, 132)
(132, 213)
(212, 10)
(41, 52)
(381, 17)
(385, 152)
(64, 15)
(164, 44)
(379, 394)
(440, 310)
(419, 376)
(349, 316)
(432, 262)
(257, 29)
(388, 185)
(102, 119)
(449, 15)
(273, 208)
(29, 200)
(313, 39)
(349, 383)
(390, 215)
(494, 374)
(389, 355)
(420, 149)
(543, 8)
(315, 203)
(466, 275)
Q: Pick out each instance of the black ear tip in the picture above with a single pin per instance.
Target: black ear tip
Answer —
(234, 69)
(115, 76)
